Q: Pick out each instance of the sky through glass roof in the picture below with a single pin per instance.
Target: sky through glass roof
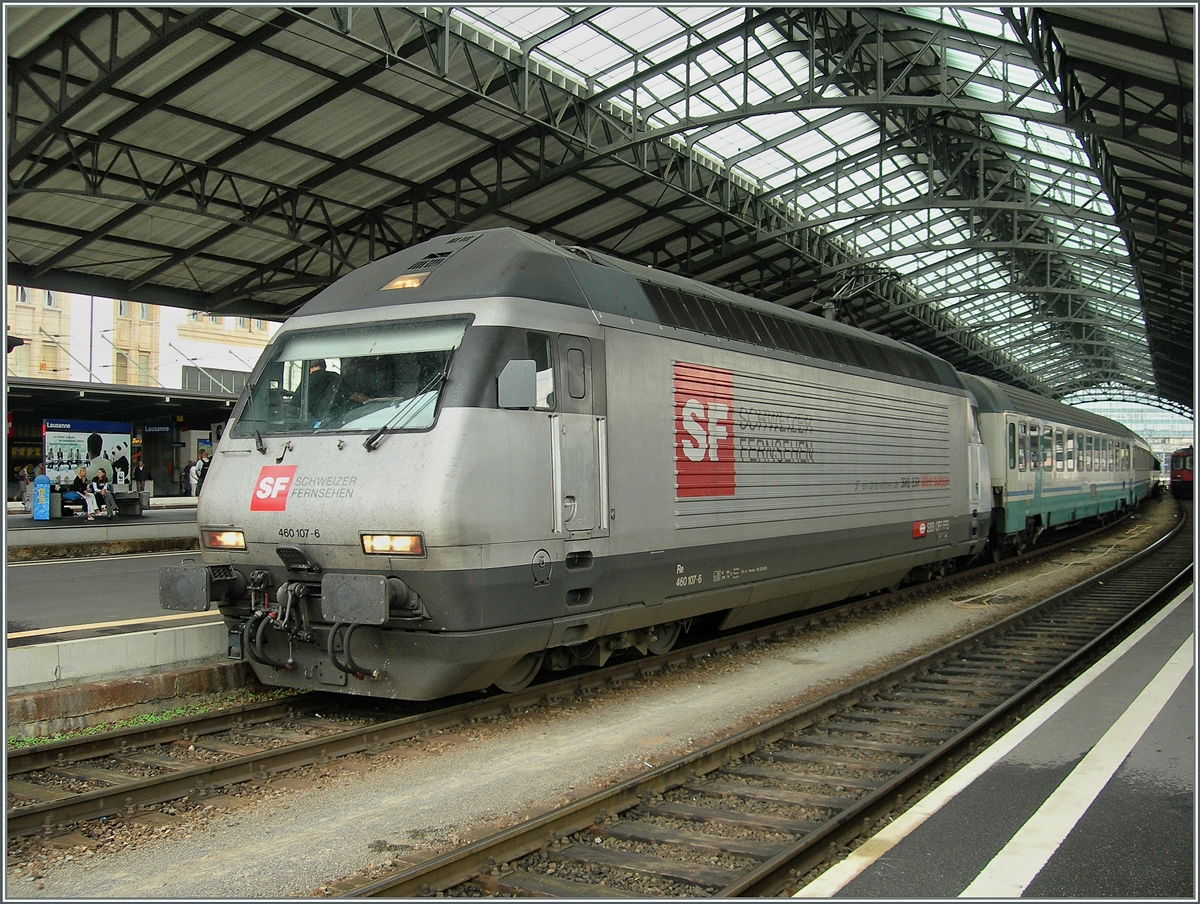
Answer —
(839, 168)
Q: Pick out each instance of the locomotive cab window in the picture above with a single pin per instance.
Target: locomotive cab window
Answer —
(385, 376)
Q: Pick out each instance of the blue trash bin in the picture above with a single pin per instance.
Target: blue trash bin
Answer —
(41, 498)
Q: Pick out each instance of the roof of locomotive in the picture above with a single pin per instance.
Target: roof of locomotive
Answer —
(509, 263)
(995, 398)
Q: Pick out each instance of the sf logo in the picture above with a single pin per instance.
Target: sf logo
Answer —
(704, 464)
(271, 488)
(705, 428)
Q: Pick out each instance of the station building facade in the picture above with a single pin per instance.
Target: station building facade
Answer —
(169, 373)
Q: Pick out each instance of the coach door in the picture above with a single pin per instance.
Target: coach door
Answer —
(579, 441)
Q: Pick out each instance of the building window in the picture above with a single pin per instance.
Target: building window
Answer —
(213, 379)
(213, 318)
(260, 324)
(23, 295)
(243, 323)
(50, 300)
(193, 315)
(144, 311)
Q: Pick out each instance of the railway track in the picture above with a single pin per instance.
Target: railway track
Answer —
(54, 785)
(751, 815)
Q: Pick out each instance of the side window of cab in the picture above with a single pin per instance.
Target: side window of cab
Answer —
(540, 350)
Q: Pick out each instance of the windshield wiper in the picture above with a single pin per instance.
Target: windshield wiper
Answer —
(258, 441)
(408, 407)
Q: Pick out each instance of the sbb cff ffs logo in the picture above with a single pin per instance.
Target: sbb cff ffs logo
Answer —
(272, 488)
(704, 463)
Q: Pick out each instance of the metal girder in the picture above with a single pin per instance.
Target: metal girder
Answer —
(888, 65)
(1163, 266)
(40, 91)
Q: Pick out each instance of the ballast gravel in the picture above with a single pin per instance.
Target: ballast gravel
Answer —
(300, 833)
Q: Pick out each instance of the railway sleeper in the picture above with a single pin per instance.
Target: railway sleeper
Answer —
(648, 833)
(531, 885)
(864, 744)
(773, 795)
(699, 875)
(907, 698)
(795, 777)
(690, 813)
(93, 774)
(36, 793)
(906, 718)
(890, 730)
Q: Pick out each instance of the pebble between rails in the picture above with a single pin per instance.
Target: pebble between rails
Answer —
(302, 831)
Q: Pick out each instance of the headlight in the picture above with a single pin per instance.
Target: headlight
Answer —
(223, 539)
(393, 544)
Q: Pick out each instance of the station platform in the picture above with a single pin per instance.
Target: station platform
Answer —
(1091, 796)
(169, 522)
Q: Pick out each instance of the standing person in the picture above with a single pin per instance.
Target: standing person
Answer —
(103, 490)
(26, 477)
(193, 478)
(80, 490)
(201, 471)
(140, 476)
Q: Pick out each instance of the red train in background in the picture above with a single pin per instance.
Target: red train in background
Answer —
(1181, 473)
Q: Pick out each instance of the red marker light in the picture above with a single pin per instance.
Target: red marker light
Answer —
(920, 529)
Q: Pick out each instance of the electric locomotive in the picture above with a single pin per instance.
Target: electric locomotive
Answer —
(1181, 473)
(487, 455)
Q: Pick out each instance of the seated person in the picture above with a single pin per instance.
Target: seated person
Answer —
(321, 384)
(103, 490)
(79, 492)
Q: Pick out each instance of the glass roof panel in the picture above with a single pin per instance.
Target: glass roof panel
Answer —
(827, 164)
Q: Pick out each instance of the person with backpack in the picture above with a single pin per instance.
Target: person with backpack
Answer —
(201, 469)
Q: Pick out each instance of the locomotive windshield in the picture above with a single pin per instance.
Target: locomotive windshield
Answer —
(382, 376)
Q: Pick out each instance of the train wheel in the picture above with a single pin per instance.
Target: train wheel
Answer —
(663, 638)
(522, 673)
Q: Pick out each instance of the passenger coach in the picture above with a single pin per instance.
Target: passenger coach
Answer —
(1057, 464)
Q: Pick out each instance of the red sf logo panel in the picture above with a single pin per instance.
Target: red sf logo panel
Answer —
(703, 432)
(271, 488)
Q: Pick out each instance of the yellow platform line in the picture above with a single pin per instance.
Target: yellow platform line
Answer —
(111, 624)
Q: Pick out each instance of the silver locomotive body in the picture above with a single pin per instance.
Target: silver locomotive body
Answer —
(553, 466)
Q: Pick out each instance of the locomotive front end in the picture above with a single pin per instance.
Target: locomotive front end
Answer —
(316, 516)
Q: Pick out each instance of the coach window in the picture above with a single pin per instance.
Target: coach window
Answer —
(1022, 446)
(539, 351)
(1059, 449)
(1012, 446)
(1035, 446)
(1047, 447)
(1070, 450)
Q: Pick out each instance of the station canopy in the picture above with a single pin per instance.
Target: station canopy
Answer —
(1009, 188)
